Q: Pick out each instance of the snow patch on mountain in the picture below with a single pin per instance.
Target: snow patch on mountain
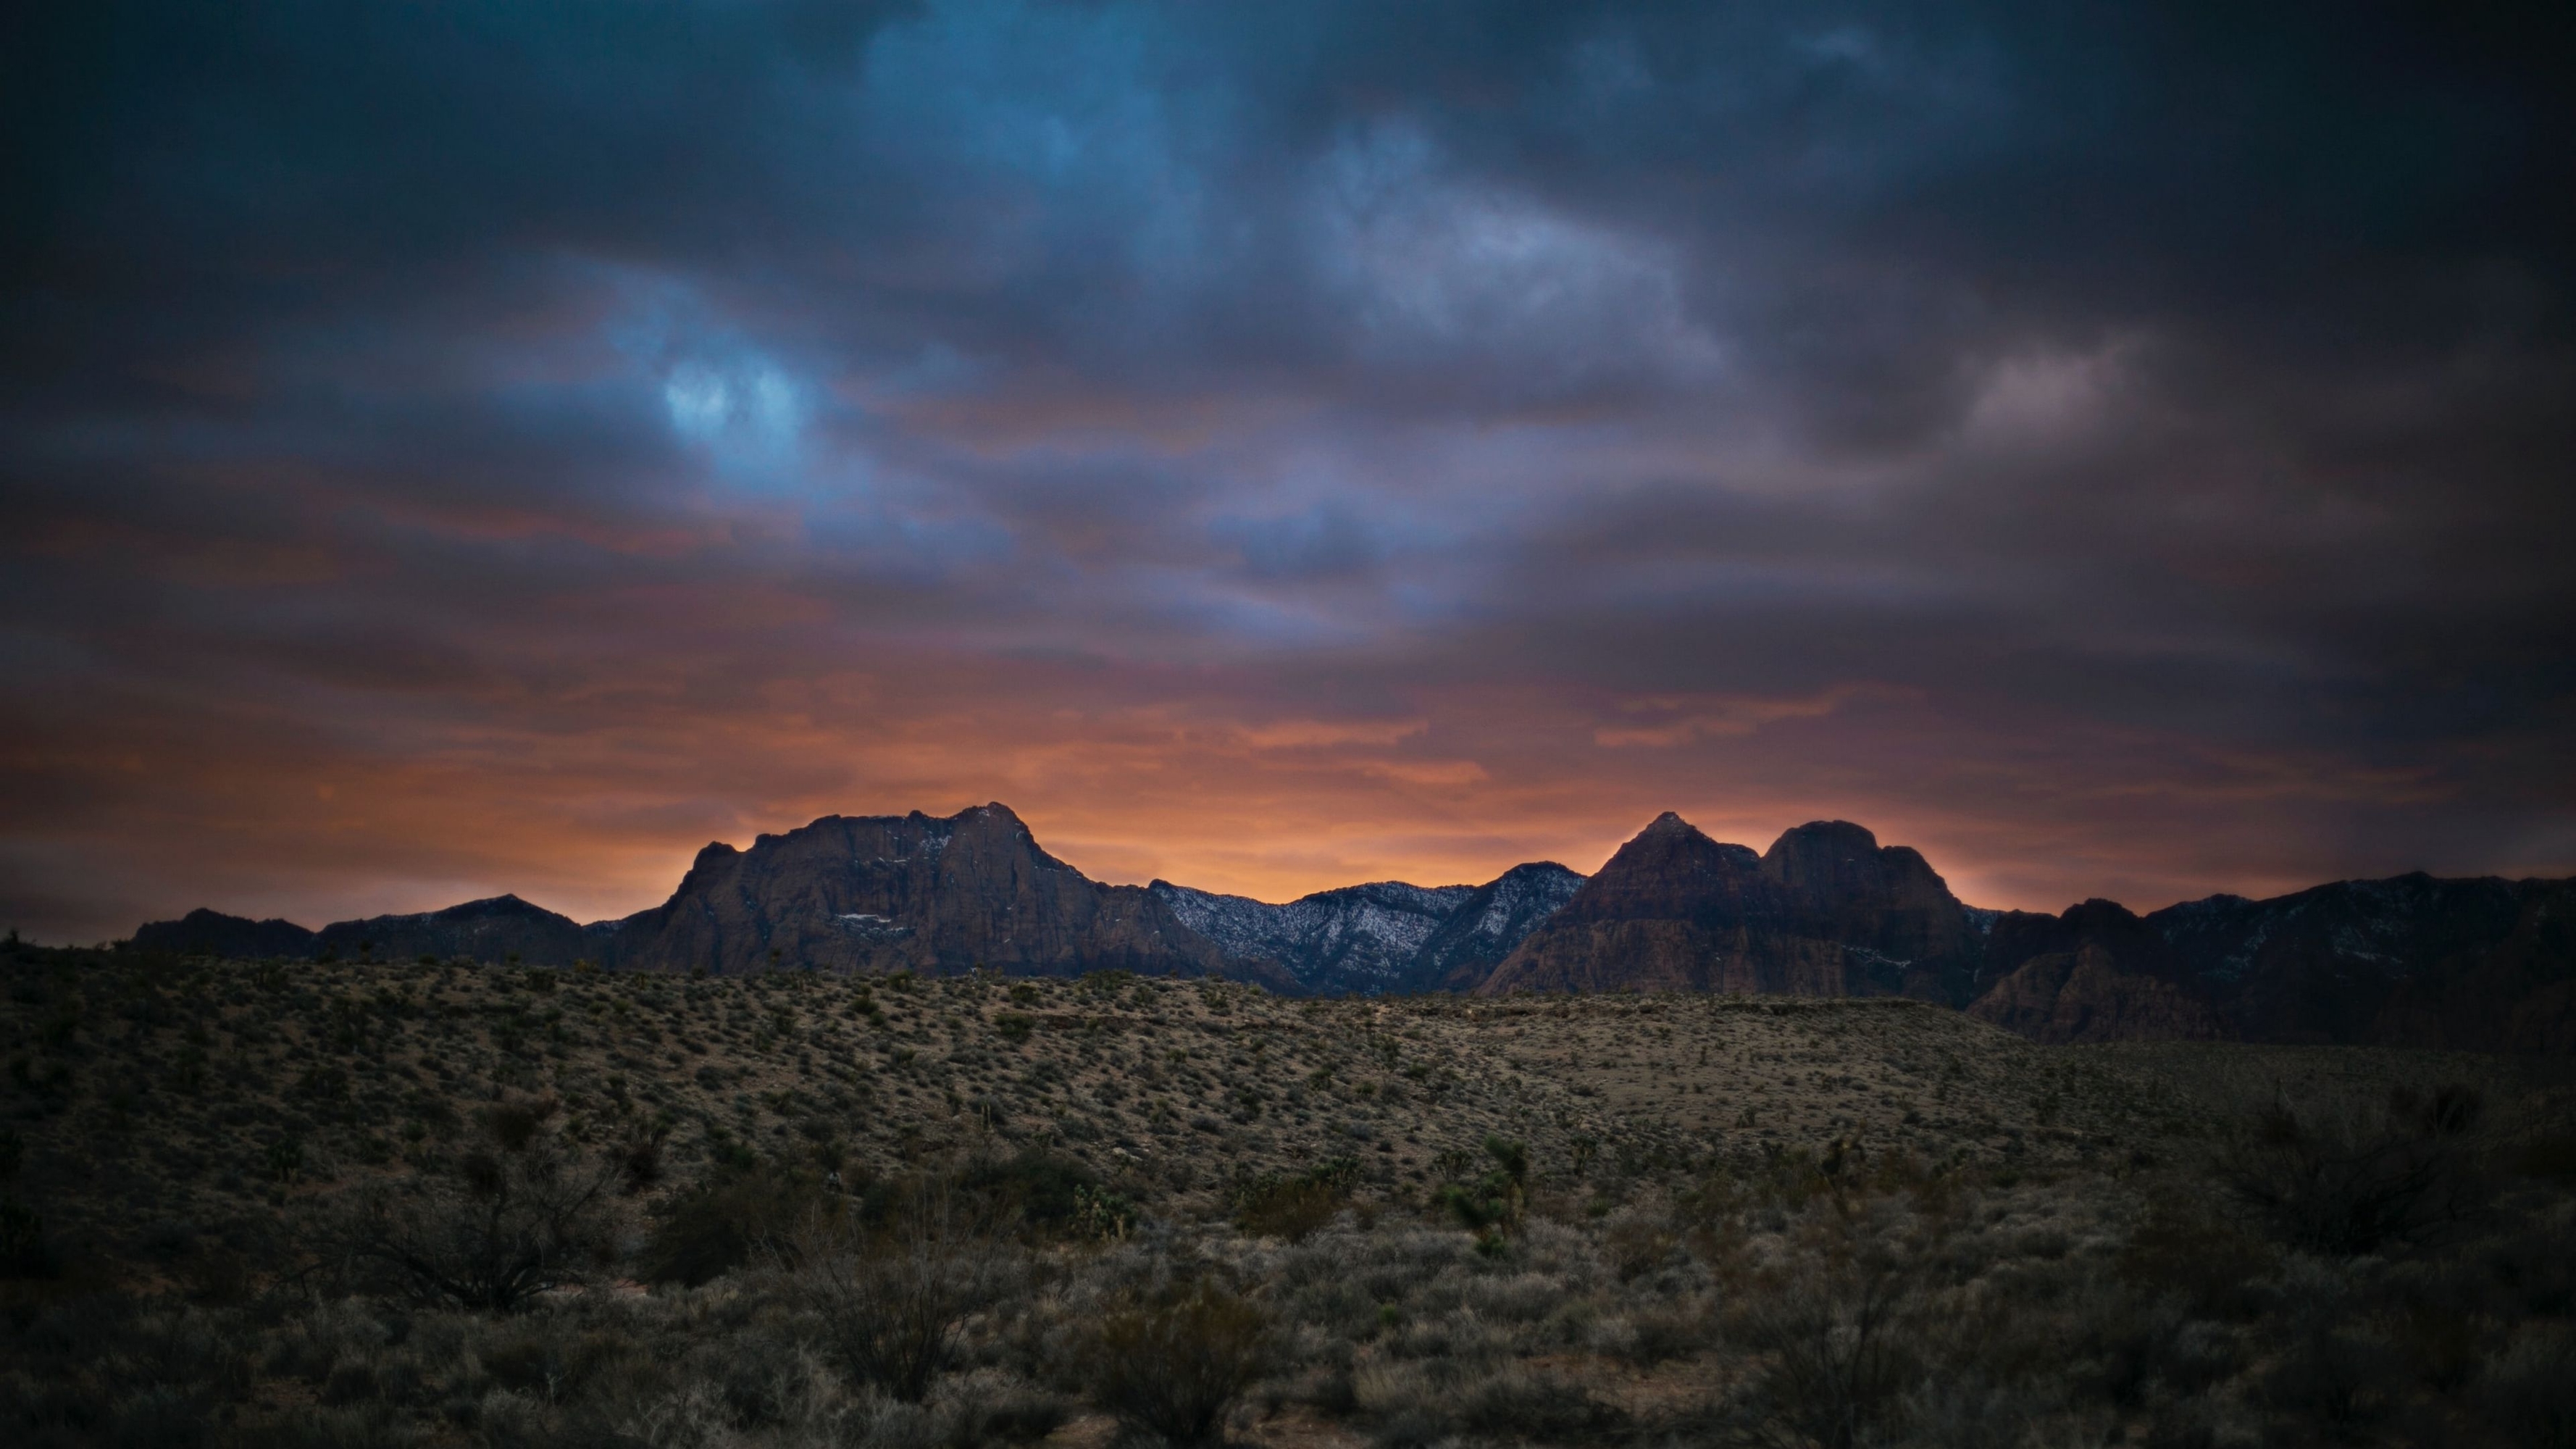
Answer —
(1380, 937)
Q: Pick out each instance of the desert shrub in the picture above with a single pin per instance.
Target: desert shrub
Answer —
(516, 1217)
(26, 1250)
(1779, 1182)
(370, 1426)
(1966, 1412)
(1666, 1331)
(1033, 1189)
(639, 1150)
(732, 1219)
(2121, 1347)
(1418, 1405)
(1524, 1403)
(1409, 1411)
(1840, 1354)
(161, 1417)
(893, 1299)
(1526, 1297)
(549, 1357)
(2353, 1179)
(308, 1344)
(2529, 1392)
(1173, 1364)
(2549, 1156)
(2211, 1264)
(1636, 1243)
(2530, 1268)
(182, 1347)
(764, 1380)
(983, 1408)
(2340, 1378)
(1294, 1205)
(2195, 1424)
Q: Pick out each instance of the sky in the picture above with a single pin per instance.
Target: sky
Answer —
(457, 448)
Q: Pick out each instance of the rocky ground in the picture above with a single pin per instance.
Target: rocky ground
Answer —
(266, 1202)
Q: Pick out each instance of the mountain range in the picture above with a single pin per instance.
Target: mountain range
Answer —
(2486, 964)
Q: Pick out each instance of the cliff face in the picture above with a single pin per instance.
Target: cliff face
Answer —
(883, 893)
(1825, 912)
(1883, 905)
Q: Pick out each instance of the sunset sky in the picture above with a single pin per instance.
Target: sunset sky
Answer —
(455, 448)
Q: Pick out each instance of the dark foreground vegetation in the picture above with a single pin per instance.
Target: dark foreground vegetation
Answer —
(436, 1203)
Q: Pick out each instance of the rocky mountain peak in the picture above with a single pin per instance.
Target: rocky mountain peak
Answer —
(1667, 851)
(915, 891)
(1824, 840)
(1827, 912)
(1830, 862)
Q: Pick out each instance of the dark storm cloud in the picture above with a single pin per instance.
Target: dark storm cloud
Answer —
(1417, 436)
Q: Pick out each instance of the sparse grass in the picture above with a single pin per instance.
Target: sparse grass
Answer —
(418, 1203)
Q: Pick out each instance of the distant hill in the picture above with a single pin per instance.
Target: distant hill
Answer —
(204, 932)
(2483, 964)
(1827, 911)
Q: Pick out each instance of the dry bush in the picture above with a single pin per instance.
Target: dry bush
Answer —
(517, 1216)
(2532, 1268)
(1173, 1364)
(1840, 1350)
(1637, 1243)
(26, 1249)
(1417, 1405)
(894, 1299)
(732, 1219)
(1033, 1190)
(1294, 1205)
(1967, 1412)
(1665, 1331)
(2351, 1179)
(992, 1409)
(639, 1150)
(2529, 1392)
(1520, 1402)
(2212, 1265)
(2344, 1379)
